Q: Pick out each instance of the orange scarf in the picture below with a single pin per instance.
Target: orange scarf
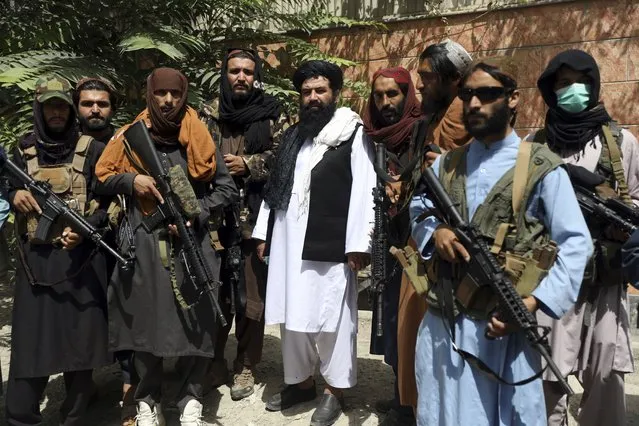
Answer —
(194, 136)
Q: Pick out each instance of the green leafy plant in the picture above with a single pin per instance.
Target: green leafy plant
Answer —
(123, 40)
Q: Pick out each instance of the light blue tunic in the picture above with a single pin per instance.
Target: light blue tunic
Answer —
(451, 392)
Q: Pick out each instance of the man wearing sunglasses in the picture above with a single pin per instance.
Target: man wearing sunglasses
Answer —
(458, 348)
(593, 338)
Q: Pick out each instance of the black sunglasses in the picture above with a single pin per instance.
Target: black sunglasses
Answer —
(484, 94)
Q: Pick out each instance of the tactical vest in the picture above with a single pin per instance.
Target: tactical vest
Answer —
(520, 242)
(66, 180)
(604, 266)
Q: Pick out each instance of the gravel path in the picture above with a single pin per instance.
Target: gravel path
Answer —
(374, 382)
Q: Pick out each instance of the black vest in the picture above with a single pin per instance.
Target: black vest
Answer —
(331, 181)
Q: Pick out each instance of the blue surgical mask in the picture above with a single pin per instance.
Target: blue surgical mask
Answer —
(574, 98)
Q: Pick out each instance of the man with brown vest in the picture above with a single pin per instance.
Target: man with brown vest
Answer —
(59, 321)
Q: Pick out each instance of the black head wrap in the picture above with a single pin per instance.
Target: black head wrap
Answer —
(254, 115)
(279, 187)
(565, 129)
(316, 68)
(52, 147)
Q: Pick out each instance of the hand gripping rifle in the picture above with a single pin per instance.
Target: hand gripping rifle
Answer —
(611, 211)
(379, 250)
(484, 269)
(170, 212)
(54, 208)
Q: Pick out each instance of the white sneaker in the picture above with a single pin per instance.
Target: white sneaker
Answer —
(192, 414)
(146, 416)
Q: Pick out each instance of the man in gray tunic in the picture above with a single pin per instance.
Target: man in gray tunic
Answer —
(145, 305)
(592, 340)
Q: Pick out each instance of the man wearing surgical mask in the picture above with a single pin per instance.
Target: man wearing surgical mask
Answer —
(592, 340)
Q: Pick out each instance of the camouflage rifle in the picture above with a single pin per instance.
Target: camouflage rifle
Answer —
(171, 212)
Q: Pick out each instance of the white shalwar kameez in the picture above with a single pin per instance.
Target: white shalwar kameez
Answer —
(316, 302)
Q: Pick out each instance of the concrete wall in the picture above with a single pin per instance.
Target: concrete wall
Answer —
(607, 29)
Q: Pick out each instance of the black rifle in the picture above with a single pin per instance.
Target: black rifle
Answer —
(54, 208)
(170, 212)
(610, 211)
(484, 270)
(379, 249)
(233, 256)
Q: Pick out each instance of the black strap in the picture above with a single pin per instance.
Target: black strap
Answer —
(445, 297)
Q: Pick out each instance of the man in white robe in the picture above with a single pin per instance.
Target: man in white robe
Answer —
(317, 219)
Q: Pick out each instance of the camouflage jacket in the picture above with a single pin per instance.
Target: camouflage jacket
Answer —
(250, 184)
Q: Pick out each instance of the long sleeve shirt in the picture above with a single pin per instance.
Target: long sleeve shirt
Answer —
(553, 202)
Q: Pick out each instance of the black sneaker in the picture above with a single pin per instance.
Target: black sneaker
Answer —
(290, 396)
(328, 410)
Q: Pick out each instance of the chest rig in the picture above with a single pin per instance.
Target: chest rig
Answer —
(604, 267)
(66, 180)
(520, 241)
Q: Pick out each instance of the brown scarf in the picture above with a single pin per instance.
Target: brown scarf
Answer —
(165, 128)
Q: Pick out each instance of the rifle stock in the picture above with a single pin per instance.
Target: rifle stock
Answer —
(485, 270)
(170, 212)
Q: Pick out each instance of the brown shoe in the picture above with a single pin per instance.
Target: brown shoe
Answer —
(243, 384)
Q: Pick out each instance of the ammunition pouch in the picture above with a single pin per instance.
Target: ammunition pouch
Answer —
(478, 301)
(67, 181)
(182, 188)
(414, 268)
(115, 212)
(604, 267)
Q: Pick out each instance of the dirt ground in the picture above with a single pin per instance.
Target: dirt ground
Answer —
(374, 382)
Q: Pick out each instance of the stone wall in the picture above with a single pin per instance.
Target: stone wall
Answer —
(607, 29)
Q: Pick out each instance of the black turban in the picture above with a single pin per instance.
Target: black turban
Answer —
(565, 129)
(315, 68)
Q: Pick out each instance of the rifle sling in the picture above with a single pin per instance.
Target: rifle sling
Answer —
(29, 272)
(617, 165)
(448, 318)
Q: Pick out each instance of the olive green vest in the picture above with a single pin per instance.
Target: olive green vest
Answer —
(519, 241)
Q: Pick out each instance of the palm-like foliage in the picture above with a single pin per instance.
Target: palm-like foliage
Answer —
(123, 40)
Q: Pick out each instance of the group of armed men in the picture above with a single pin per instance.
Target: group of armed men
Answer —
(292, 204)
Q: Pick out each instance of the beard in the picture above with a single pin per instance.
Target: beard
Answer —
(392, 114)
(95, 123)
(312, 121)
(240, 98)
(481, 126)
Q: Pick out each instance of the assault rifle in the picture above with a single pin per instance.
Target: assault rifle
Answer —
(610, 211)
(379, 250)
(170, 212)
(233, 255)
(484, 270)
(54, 208)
